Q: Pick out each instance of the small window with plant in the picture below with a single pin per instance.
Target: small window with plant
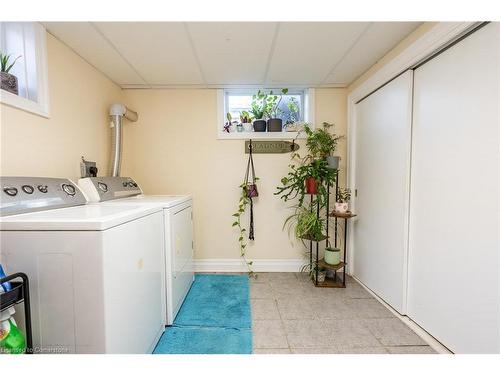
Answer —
(264, 111)
(23, 66)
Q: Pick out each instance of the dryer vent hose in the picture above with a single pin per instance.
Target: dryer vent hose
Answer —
(117, 113)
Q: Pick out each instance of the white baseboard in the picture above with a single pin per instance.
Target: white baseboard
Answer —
(238, 265)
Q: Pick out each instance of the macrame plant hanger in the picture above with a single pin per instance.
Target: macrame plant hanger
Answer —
(251, 188)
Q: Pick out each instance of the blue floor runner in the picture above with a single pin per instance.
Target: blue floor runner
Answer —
(215, 318)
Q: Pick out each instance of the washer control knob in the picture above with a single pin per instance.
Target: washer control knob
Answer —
(69, 189)
(10, 190)
(130, 184)
(125, 184)
(28, 189)
(43, 188)
(134, 184)
(102, 186)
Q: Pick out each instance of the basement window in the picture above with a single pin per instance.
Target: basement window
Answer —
(26, 42)
(295, 109)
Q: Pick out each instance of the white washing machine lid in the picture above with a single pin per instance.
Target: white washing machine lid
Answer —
(163, 201)
(88, 218)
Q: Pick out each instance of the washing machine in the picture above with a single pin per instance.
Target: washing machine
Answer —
(96, 275)
(178, 230)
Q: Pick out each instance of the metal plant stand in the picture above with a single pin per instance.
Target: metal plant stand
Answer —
(19, 293)
(315, 264)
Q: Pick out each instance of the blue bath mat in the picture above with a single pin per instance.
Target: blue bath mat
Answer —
(215, 318)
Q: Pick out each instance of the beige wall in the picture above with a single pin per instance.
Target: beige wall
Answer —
(401, 46)
(173, 149)
(80, 96)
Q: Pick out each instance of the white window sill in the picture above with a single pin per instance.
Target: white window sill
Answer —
(24, 104)
(261, 135)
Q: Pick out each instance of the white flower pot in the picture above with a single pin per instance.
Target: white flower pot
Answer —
(341, 208)
(247, 127)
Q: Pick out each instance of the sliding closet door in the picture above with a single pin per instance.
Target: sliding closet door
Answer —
(382, 162)
(453, 286)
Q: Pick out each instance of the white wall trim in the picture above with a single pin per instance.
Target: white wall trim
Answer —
(238, 265)
(440, 35)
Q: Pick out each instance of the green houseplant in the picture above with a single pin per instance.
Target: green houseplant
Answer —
(244, 201)
(322, 144)
(8, 81)
(258, 110)
(342, 201)
(274, 123)
(299, 180)
(246, 121)
(305, 224)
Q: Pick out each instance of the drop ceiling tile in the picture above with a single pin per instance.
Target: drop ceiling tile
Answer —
(160, 51)
(233, 52)
(84, 39)
(379, 39)
(305, 52)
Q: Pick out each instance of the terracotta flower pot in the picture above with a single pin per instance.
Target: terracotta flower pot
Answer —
(311, 185)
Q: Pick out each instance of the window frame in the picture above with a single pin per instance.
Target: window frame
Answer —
(222, 104)
(41, 105)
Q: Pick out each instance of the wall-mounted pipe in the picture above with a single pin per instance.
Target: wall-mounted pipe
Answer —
(118, 112)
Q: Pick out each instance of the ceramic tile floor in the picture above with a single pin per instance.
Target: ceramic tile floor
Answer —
(291, 316)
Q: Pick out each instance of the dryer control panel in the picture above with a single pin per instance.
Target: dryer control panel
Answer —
(100, 189)
(20, 195)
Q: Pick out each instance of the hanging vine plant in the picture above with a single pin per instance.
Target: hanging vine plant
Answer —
(245, 200)
(248, 192)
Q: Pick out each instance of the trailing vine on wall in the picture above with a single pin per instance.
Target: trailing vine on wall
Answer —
(242, 205)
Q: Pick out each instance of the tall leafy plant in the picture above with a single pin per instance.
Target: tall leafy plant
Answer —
(259, 105)
(320, 142)
(273, 103)
(5, 62)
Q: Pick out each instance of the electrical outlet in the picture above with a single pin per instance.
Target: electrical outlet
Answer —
(88, 168)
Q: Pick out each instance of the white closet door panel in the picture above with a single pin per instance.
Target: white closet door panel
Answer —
(453, 287)
(383, 132)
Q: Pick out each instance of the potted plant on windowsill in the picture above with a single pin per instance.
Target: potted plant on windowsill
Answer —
(258, 110)
(8, 81)
(342, 202)
(246, 121)
(274, 123)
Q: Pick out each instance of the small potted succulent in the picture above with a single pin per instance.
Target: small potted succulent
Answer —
(342, 202)
(332, 255)
(274, 124)
(8, 81)
(258, 110)
(246, 121)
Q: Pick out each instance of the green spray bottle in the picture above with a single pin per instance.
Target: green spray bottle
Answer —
(11, 338)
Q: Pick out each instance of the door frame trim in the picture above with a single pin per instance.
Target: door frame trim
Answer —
(433, 40)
